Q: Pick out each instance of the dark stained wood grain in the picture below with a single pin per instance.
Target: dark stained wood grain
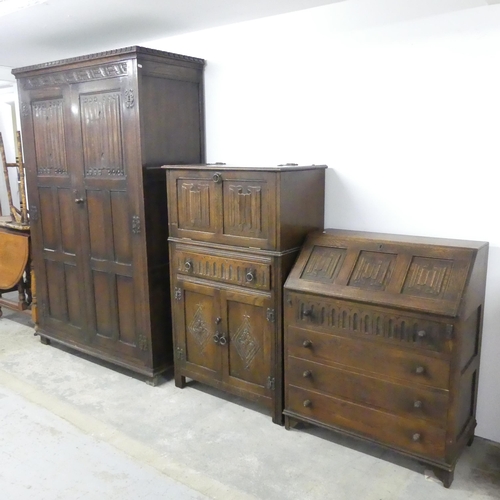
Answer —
(383, 339)
(95, 131)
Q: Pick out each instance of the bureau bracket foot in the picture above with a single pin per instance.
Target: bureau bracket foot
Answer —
(44, 340)
(470, 441)
(445, 476)
(291, 423)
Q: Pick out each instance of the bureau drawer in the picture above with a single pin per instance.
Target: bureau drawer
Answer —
(354, 319)
(226, 269)
(409, 366)
(416, 436)
(409, 401)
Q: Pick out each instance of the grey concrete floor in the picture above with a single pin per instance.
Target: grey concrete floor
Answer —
(73, 427)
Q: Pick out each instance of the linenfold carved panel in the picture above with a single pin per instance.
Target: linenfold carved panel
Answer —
(50, 142)
(76, 76)
(244, 209)
(373, 270)
(427, 277)
(101, 134)
(194, 198)
(323, 264)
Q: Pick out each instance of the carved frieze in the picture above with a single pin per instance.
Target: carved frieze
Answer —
(76, 76)
(349, 319)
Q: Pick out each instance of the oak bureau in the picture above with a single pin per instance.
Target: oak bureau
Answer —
(382, 341)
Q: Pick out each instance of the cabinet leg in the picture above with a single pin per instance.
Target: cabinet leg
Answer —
(44, 340)
(470, 441)
(446, 476)
(180, 381)
(1, 313)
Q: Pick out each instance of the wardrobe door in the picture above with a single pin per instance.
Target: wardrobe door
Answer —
(108, 197)
(56, 248)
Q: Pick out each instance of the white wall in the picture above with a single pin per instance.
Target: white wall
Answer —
(401, 98)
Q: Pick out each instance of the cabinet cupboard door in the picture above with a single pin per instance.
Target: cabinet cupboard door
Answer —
(197, 324)
(196, 209)
(56, 245)
(228, 207)
(248, 362)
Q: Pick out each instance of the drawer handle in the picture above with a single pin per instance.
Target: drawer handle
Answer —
(307, 313)
(79, 200)
(218, 320)
(188, 265)
(421, 333)
(417, 404)
(250, 275)
(307, 373)
(222, 340)
(416, 437)
(307, 403)
(420, 370)
(217, 177)
(307, 343)
(216, 338)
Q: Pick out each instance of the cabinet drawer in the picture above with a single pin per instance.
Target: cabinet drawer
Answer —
(413, 435)
(409, 366)
(225, 269)
(409, 401)
(348, 318)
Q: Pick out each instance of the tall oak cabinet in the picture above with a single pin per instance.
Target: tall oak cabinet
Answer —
(94, 128)
(234, 235)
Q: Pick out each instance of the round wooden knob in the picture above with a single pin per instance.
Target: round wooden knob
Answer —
(307, 373)
(307, 343)
(307, 403)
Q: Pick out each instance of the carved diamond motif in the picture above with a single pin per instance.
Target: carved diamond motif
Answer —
(198, 328)
(245, 343)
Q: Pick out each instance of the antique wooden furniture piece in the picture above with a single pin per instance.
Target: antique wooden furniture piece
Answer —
(382, 341)
(15, 248)
(92, 126)
(234, 235)
(15, 268)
